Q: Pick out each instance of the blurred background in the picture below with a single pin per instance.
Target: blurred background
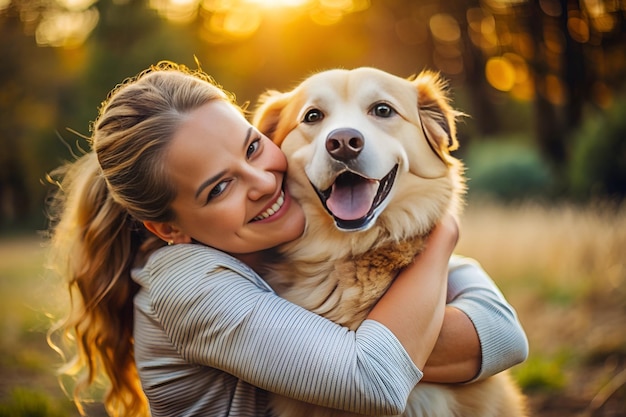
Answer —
(542, 83)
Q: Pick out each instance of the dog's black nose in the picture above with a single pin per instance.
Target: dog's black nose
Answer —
(344, 144)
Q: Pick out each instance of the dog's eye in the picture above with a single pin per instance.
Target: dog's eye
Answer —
(383, 110)
(313, 115)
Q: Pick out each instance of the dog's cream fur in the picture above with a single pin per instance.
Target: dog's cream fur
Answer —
(366, 123)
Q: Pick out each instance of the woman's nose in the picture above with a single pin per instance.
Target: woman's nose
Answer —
(262, 183)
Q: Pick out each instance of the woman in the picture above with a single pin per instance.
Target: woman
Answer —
(157, 231)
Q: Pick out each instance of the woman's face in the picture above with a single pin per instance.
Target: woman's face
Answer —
(230, 183)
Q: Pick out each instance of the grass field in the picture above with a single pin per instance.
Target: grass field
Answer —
(564, 270)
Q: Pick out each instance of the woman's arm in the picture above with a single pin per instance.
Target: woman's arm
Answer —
(481, 334)
(457, 355)
(418, 295)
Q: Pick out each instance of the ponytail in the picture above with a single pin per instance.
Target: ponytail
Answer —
(96, 233)
(94, 243)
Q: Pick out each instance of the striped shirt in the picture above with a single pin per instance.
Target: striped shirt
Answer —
(212, 338)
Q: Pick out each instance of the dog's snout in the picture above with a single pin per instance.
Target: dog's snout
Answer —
(344, 144)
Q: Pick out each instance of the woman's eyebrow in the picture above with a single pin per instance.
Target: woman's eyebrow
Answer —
(208, 182)
(219, 174)
(247, 138)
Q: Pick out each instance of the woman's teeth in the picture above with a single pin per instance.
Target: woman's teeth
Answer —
(275, 207)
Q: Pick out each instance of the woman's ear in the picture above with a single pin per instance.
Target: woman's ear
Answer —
(167, 232)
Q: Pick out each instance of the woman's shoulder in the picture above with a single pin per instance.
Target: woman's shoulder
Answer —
(190, 261)
(189, 252)
(459, 261)
(192, 255)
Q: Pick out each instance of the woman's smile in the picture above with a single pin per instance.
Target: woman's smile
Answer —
(272, 209)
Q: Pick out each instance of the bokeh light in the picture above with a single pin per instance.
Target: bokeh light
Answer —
(76, 5)
(551, 7)
(553, 89)
(578, 28)
(604, 23)
(273, 4)
(178, 11)
(66, 28)
(500, 73)
(445, 28)
(233, 20)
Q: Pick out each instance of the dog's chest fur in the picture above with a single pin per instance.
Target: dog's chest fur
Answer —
(341, 288)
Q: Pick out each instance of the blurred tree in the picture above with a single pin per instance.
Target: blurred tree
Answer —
(128, 38)
(559, 73)
(11, 170)
(562, 55)
(574, 50)
(591, 173)
(474, 61)
(53, 78)
(26, 111)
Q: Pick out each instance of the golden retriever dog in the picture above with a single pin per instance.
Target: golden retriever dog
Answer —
(370, 163)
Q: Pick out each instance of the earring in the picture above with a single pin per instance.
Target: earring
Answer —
(170, 242)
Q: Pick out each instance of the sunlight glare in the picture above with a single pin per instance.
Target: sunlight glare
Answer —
(336, 4)
(242, 22)
(216, 5)
(183, 3)
(237, 19)
(66, 29)
(76, 5)
(325, 17)
(180, 11)
(275, 4)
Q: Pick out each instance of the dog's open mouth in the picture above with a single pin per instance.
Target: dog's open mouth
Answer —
(352, 199)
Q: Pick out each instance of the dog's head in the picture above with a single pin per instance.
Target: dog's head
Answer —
(364, 137)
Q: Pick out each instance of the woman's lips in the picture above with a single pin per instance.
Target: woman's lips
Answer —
(273, 209)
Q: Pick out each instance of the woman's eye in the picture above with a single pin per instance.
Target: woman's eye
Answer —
(313, 115)
(217, 190)
(253, 147)
(383, 110)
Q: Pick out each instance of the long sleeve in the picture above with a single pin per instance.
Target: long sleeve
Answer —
(502, 338)
(218, 313)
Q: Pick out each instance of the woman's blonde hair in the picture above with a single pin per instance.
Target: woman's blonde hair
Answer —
(97, 234)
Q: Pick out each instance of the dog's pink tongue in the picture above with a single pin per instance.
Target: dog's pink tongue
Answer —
(352, 202)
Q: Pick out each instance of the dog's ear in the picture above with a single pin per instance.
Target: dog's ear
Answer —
(267, 116)
(437, 116)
